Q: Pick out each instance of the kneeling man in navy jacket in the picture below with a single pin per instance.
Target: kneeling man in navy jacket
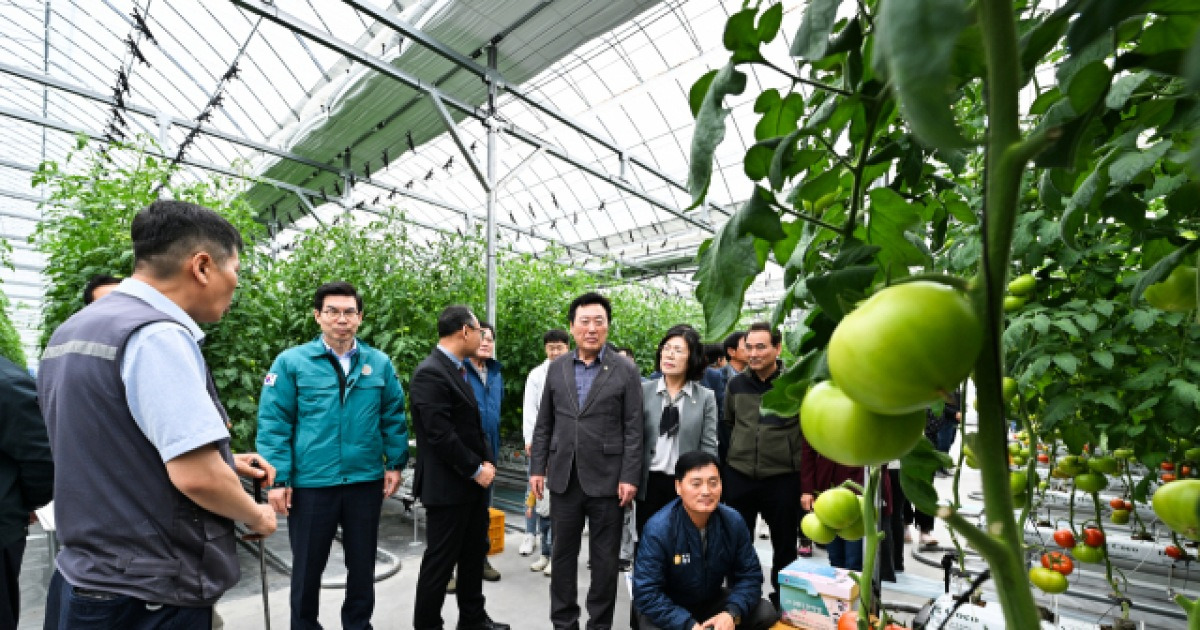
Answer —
(687, 552)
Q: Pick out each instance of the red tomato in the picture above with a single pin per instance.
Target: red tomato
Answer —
(1175, 552)
(1093, 537)
(1128, 505)
(1064, 538)
(1043, 458)
(1058, 561)
(1185, 471)
(1168, 466)
(1117, 504)
(1168, 477)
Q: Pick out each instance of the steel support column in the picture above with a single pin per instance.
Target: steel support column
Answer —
(491, 123)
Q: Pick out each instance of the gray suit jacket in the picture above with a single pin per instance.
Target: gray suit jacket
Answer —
(697, 423)
(602, 439)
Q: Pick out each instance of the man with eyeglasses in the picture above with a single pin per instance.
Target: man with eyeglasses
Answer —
(763, 469)
(331, 419)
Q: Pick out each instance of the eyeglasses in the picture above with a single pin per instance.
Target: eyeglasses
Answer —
(761, 347)
(675, 350)
(334, 313)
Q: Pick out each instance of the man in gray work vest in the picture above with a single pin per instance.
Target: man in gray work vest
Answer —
(146, 505)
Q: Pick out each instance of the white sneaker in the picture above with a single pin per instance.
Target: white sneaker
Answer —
(546, 571)
(541, 564)
(526, 545)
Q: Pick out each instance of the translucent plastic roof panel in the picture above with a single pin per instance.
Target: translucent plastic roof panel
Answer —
(296, 90)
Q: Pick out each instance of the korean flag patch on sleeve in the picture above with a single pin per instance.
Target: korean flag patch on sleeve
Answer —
(269, 381)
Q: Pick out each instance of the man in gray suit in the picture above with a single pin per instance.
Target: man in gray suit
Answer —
(587, 448)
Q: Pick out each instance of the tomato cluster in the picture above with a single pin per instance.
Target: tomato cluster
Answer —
(888, 362)
(836, 512)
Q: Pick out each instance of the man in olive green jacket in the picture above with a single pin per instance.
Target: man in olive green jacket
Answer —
(763, 471)
(331, 420)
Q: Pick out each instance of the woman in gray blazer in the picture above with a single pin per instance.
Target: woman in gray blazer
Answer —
(680, 415)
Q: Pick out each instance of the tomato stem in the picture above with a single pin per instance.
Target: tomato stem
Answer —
(1004, 167)
(871, 538)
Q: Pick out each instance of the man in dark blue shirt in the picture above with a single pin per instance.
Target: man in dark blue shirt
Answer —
(688, 550)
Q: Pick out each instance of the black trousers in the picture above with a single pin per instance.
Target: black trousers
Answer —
(605, 518)
(775, 498)
(762, 617)
(10, 570)
(457, 538)
(313, 520)
(896, 532)
(660, 490)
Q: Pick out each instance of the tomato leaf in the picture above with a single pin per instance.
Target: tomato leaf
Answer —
(788, 389)
(916, 475)
(710, 129)
(890, 218)
(837, 291)
(921, 75)
(1103, 358)
(812, 39)
(1161, 270)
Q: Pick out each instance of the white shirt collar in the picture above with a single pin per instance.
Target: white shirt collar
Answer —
(160, 302)
(686, 390)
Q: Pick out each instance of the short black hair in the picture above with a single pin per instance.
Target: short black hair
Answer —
(776, 336)
(694, 460)
(453, 318)
(695, 361)
(588, 299)
(732, 341)
(97, 281)
(713, 352)
(336, 288)
(556, 335)
(488, 326)
(167, 232)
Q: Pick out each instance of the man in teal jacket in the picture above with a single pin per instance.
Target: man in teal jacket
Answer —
(331, 420)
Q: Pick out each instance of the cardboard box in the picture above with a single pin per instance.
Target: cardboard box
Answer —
(813, 595)
(495, 531)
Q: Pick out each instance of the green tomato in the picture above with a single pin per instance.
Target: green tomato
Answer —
(837, 508)
(1123, 454)
(1013, 303)
(1106, 465)
(1091, 482)
(1177, 293)
(1022, 284)
(1014, 448)
(1017, 481)
(1009, 387)
(852, 435)
(815, 530)
(1178, 505)
(857, 529)
(1043, 486)
(905, 347)
(1048, 580)
(1020, 460)
(1090, 555)
(1120, 517)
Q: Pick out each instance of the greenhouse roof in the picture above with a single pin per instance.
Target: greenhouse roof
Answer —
(348, 106)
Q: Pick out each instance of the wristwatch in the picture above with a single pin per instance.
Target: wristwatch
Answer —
(279, 484)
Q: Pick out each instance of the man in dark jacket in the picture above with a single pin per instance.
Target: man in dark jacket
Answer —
(26, 478)
(689, 549)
